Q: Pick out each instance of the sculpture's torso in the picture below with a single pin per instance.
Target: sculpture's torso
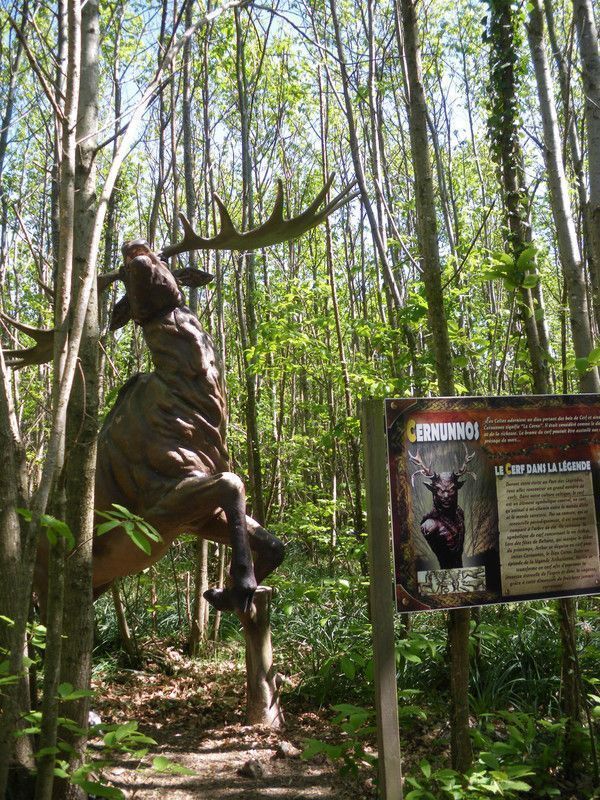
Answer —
(167, 425)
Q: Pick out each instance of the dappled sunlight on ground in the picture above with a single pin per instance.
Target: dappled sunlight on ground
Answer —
(196, 716)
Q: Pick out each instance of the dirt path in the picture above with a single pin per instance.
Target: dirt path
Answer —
(196, 718)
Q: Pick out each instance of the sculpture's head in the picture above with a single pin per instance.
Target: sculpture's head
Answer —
(151, 287)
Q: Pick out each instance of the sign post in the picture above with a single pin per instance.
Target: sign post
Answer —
(382, 603)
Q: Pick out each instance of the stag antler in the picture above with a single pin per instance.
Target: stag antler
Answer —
(463, 470)
(40, 353)
(425, 470)
(275, 230)
(43, 349)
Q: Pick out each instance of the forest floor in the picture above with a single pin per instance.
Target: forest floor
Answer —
(194, 710)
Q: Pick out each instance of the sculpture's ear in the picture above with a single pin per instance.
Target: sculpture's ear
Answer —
(188, 276)
(121, 314)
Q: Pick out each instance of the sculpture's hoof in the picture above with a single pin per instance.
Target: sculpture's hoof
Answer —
(220, 599)
(230, 599)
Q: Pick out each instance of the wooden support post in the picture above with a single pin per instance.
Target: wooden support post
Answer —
(262, 682)
(382, 606)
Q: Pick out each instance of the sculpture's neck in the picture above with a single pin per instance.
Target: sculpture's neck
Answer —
(183, 354)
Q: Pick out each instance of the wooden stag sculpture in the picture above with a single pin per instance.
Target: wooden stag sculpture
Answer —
(161, 450)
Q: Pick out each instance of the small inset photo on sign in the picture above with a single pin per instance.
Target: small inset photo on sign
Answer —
(451, 581)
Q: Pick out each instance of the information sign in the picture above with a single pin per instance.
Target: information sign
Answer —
(494, 499)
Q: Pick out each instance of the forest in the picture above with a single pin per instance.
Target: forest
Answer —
(454, 150)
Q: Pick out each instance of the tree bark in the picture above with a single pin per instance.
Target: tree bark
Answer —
(128, 642)
(568, 246)
(589, 51)
(53, 468)
(506, 151)
(563, 68)
(458, 620)
(199, 617)
(575, 289)
(82, 426)
(353, 443)
(15, 586)
(365, 194)
(248, 267)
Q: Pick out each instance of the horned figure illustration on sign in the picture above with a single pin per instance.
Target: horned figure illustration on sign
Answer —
(444, 526)
(161, 449)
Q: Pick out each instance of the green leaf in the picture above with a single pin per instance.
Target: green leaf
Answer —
(150, 531)
(125, 511)
(518, 786)
(348, 667)
(59, 772)
(163, 764)
(313, 747)
(425, 768)
(139, 539)
(527, 257)
(99, 789)
(46, 751)
(594, 357)
(105, 527)
(530, 280)
(58, 528)
(67, 692)
(503, 258)
(25, 513)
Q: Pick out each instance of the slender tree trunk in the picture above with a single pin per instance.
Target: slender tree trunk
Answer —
(15, 754)
(199, 617)
(589, 50)
(53, 469)
(9, 106)
(507, 153)
(82, 427)
(111, 240)
(128, 642)
(15, 589)
(568, 246)
(365, 194)
(198, 626)
(248, 265)
(458, 620)
(348, 400)
(575, 287)
(572, 133)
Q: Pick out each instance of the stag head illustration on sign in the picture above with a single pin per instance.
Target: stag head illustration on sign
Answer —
(161, 449)
(444, 526)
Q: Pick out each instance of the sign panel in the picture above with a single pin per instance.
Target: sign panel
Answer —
(494, 499)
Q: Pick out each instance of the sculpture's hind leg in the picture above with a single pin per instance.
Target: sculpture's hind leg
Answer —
(267, 549)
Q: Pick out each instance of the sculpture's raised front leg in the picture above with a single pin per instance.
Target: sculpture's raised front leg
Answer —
(268, 552)
(198, 499)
